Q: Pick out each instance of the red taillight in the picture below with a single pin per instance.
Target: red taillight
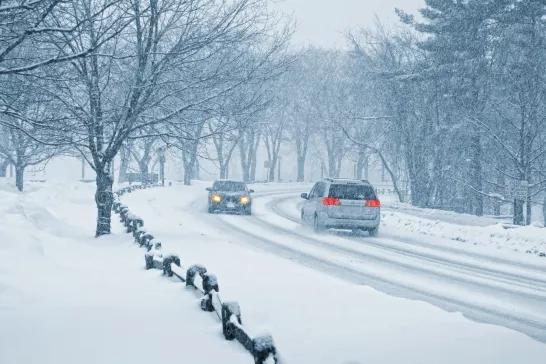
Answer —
(373, 203)
(330, 201)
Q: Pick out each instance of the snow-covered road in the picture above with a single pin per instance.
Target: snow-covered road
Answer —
(485, 288)
(490, 288)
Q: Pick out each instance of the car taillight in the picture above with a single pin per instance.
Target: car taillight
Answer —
(373, 203)
(330, 201)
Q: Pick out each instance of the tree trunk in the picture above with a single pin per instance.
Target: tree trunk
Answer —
(104, 199)
(544, 209)
(223, 170)
(4, 168)
(144, 174)
(501, 180)
(190, 160)
(246, 173)
(393, 178)
(476, 176)
(272, 169)
(529, 213)
(496, 207)
(518, 212)
(196, 170)
(360, 164)
(253, 167)
(302, 144)
(301, 169)
(245, 162)
(188, 170)
(125, 157)
(19, 177)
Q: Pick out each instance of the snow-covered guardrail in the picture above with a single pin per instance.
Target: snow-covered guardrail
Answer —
(262, 348)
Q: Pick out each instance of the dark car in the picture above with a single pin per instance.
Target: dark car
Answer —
(230, 196)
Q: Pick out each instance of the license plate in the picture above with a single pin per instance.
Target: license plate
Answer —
(230, 205)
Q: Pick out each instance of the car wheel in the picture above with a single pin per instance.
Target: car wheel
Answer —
(317, 225)
(374, 232)
(211, 210)
(248, 211)
(302, 219)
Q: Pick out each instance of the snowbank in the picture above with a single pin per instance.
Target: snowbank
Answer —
(66, 297)
(527, 239)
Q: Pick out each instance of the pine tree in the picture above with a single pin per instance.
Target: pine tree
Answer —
(459, 40)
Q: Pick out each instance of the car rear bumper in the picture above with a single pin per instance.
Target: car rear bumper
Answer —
(330, 223)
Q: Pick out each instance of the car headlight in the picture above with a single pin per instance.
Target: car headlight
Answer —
(216, 198)
(244, 200)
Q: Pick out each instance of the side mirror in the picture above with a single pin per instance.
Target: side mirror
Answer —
(305, 196)
(209, 189)
(251, 191)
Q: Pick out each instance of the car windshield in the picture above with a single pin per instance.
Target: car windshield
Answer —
(229, 186)
(352, 192)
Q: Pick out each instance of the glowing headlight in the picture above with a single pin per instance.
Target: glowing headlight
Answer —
(216, 198)
(245, 200)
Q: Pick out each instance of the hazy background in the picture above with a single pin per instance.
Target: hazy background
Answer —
(319, 22)
(322, 22)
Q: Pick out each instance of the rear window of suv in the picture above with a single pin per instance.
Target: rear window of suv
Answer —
(351, 192)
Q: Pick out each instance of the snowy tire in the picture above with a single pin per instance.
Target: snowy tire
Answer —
(374, 232)
(318, 227)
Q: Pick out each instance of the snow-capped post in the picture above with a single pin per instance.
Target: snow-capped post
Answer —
(263, 348)
(210, 289)
(138, 233)
(231, 313)
(192, 271)
(145, 239)
(115, 201)
(171, 259)
(210, 283)
(149, 261)
(133, 223)
(154, 257)
(123, 214)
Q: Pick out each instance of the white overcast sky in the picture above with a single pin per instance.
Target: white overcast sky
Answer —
(320, 22)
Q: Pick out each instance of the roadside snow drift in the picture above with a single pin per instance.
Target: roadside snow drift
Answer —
(66, 297)
(525, 239)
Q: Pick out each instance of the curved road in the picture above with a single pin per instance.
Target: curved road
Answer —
(483, 288)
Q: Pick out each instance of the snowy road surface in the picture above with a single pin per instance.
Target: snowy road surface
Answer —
(329, 313)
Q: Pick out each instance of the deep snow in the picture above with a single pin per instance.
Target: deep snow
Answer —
(66, 297)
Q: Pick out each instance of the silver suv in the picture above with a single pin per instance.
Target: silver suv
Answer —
(342, 204)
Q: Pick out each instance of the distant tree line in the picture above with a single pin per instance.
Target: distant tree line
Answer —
(452, 105)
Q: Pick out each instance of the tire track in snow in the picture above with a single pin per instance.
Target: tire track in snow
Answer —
(532, 328)
(533, 283)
